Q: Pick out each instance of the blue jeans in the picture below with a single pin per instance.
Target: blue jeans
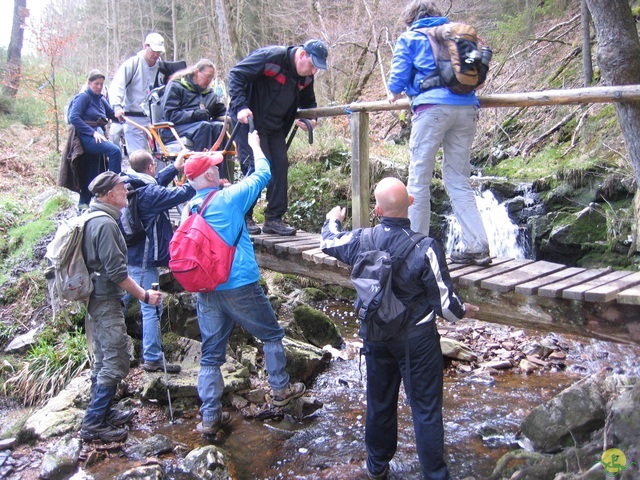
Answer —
(218, 311)
(453, 128)
(151, 339)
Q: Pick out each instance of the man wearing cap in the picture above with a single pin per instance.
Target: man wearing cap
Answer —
(269, 85)
(105, 253)
(241, 299)
(155, 199)
(135, 78)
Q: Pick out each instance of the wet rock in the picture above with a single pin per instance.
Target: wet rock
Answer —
(456, 350)
(148, 447)
(81, 475)
(207, 463)
(496, 364)
(60, 415)
(7, 443)
(21, 343)
(146, 472)
(318, 328)
(568, 417)
(62, 459)
(527, 367)
(623, 425)
(302, 407)
(304, 361)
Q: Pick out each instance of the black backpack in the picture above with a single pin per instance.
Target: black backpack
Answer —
(130, 222)
(379, 310)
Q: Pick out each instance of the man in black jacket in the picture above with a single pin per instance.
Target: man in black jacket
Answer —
(269, 85)
(413, 355)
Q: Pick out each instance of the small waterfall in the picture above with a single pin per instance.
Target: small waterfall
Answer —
(505, 239)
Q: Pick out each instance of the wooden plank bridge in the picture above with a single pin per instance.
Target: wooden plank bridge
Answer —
(601, 303)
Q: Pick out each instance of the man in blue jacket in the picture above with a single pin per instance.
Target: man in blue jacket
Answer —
(241, 299)
(269, 85)
(411, 354)
(440, 118)
(155, 199)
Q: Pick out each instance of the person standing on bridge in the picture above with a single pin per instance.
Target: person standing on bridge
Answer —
(269, 85)
(412, 354)
(240, 299)
(440, 118)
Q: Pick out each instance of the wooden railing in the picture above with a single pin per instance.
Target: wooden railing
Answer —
(360, 125)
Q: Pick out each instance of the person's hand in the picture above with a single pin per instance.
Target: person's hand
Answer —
(254, 140)
(470, 310)
(119, 113)
(155, 297)
(303, 125)
(179, 163)
(200, 115)
(394, 97)
(338, 213)
(244, 114)
(98, 137)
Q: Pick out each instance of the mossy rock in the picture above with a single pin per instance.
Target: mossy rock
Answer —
(318, 328)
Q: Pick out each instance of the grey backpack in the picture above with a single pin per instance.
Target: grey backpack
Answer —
(372, 277)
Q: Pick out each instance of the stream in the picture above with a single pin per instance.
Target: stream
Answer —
(482, 414)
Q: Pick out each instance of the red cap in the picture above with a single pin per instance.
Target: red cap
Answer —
(197, 164)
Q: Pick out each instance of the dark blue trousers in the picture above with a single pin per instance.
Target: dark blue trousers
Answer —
(274, 146)
(423, 379)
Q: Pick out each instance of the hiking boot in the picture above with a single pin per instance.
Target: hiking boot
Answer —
(283, 396)
(469, 258)
(252, 227)
(209, 429)
(105, 432)
(117, 418)
(278, 227)
(159, 367)
(380, 476)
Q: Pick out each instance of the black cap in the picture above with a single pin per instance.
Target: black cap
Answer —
(318, 52)
(104, 182)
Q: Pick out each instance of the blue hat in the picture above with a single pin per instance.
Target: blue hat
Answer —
(318, 52)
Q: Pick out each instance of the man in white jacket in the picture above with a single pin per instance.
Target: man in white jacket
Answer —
(135, 78)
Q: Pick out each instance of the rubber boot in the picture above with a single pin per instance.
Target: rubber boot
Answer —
(115, 417)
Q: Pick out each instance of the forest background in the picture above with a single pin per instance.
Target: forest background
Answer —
(537, 45)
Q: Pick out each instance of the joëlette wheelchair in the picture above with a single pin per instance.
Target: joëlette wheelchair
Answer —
(165, 152)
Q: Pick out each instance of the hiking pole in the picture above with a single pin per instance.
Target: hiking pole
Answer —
(156, 286)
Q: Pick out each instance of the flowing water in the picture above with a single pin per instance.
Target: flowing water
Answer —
(505, 238)
(482, 414)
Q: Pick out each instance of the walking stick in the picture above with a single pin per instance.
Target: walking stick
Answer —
(156, 286)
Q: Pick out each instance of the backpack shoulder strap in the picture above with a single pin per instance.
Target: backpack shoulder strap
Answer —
(405, 248)
(207, 201)
(366, 240)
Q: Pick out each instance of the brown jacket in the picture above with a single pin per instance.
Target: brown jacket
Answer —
(69, 174)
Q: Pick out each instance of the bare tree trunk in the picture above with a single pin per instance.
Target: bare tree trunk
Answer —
(228, 42)
(14, 54)
(619, 60)
(115, 38)
(587, 65)
(174, 28)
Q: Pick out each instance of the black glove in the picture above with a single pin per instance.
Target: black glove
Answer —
(200, 115)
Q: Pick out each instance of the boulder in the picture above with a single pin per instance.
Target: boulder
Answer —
(318, 328)
(62, 459)
(207, 463)
(304, 361)
(567, 418)
(145, 472)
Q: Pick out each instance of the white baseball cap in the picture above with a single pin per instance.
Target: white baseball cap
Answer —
(155, 42)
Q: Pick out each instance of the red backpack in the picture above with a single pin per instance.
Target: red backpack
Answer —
(200, 259)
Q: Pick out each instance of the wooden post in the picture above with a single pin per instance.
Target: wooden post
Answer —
(360, 169)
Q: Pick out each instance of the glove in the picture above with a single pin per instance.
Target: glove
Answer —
(200, 115)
